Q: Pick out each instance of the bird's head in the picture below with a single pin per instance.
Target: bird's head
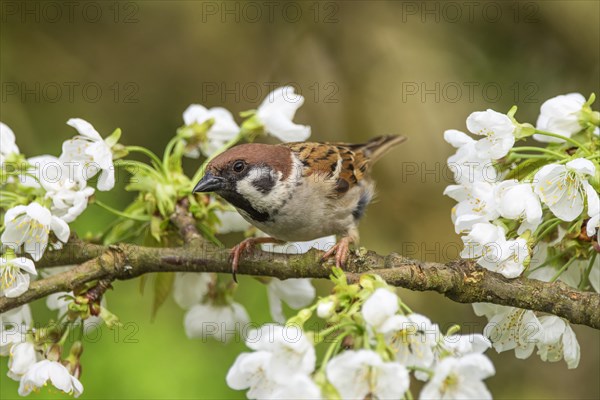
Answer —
(247, 175)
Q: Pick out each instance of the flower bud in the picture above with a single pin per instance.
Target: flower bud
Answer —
(326, 309)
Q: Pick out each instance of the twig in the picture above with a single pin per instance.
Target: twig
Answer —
(461, 281)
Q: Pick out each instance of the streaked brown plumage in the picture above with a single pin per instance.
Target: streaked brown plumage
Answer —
(298, 191)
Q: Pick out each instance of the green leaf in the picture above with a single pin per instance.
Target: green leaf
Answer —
(163, 284)
(110, 319)
(155, 227)
(525, 168)
(247, 113)
(524, 130)
(113, 138)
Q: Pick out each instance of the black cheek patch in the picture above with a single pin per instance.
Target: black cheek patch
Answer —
(359, 211)
(239, 201)
(264, 183)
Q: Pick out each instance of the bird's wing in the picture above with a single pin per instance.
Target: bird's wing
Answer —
(335, 162)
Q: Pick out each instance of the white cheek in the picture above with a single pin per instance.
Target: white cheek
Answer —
(262, 201)
(247, 189)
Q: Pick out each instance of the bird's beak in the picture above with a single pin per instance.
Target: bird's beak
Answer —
(210, 183)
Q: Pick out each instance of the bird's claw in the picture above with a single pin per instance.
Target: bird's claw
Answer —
(245, 246)
(235, 255)
(341, 250)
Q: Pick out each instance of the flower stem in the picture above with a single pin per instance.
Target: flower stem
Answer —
(333, 348)
(566, 139)
(146, 152)
(427, 371)
(539, 149)
(121, 213)
(524, 155)
(563, 269)
(141, 165)
(548, 228)
(167, 154)
(334, 328)
(586, 276)
(548, 261)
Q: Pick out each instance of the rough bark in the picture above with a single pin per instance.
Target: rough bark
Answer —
(462, 281)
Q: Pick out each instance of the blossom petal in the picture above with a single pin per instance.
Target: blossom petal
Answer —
(60, 228)
(582, 165)
(84, 128)
(457, 138)
(195, 113)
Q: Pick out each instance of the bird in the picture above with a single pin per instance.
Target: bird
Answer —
(298, 191)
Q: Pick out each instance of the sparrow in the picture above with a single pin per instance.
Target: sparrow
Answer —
(298, 191)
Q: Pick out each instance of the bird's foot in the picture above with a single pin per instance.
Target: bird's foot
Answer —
(341, 250)
(246, 245)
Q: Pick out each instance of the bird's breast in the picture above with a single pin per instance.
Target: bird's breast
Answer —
(303, 208)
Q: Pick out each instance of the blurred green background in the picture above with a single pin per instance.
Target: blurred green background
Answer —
(365, 68)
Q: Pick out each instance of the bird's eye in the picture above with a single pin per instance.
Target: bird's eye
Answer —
(239, 166)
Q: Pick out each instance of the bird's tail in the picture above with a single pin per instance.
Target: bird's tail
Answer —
(377, 147)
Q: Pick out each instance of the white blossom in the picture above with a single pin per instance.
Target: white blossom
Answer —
(560, 115)
(277, 112)
(518, 201)
(461, 345)
(487, 243)
(466, 164)
(278, 368)
(358, 373)
(297, 293)
(222, 130)
(512, 264)
(322, 244)
(498, 131)
(190, 288)
(13, 327)
(593, 204)
(379, 308)
(231, 221)
(298, 387)
(8, 144)
(68, 192)
(484, 242)
(558, 341)
(90, 154)
(459, 378)
(249, 371)
(292, 352)
(413, 339)
(29, 226)
(511, 328)
(38, 375)
(561, 187)
(22, 357)
(215, 321)
(13, 282)
(476, 204)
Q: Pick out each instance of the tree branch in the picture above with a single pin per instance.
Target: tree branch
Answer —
(461, 281)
